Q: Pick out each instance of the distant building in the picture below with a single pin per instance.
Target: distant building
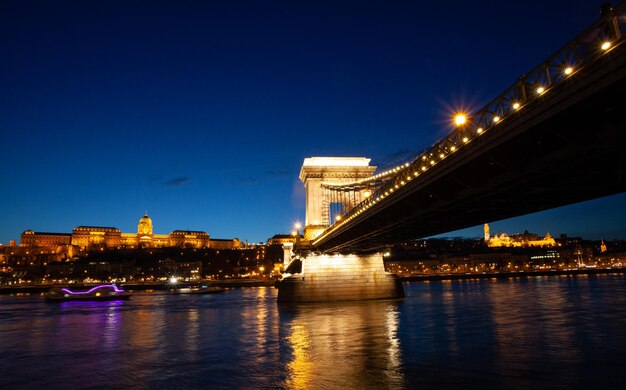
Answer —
(221, 243)
(282, 239)
(194, 239)
(31, 238)
(84, 236)
(111, 237)
(518, 240)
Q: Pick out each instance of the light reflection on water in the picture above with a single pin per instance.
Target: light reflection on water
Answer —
(351, 345)
(546, 332)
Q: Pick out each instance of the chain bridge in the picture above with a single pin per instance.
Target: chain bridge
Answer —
(556, 136)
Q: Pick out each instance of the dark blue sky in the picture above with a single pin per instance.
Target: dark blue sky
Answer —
(201, 112)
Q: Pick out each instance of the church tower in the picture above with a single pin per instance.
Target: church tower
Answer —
(487, 232)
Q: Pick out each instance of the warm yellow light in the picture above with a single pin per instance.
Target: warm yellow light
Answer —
(432, 162)
(367, 193)
(293, 233)
(338, 218)
(423, 168)
(606, 45)
(496, 119)
(460, 119)
(297, 225)
(516, 105)
(465, 139)
(479, 130)
(441, 155)
(453, 148)
(568, 70)
(540, 90)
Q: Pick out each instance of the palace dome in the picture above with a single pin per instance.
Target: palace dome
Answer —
(145, 225)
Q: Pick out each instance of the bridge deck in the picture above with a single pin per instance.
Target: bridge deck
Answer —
(568, 146)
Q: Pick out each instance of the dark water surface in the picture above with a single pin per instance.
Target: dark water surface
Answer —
(539, 332)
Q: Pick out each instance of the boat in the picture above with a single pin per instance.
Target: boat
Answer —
(103, 292)
(199, 290)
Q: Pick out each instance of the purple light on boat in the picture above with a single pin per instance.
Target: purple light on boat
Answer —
(115, 288)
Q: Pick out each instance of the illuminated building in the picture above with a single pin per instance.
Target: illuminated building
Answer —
(282, 239)
(225, 243)
(519, 240)
(31, 238)
(189, 238)
(85, 237)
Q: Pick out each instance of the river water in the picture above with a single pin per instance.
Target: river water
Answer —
(517, 333)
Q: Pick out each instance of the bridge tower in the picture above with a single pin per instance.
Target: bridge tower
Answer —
(312, 276)
(335, 170)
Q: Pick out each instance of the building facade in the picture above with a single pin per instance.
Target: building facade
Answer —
(85, 237)
(31, 238)
(519, 240)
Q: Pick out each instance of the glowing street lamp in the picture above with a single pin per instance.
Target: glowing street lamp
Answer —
(297, 226)
(460, 119)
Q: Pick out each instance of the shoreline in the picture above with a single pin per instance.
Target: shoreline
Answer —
(515, 274)
(239, 283)
(160, 286)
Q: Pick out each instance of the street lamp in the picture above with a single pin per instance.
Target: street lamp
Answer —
(297, 226)
(460, 119)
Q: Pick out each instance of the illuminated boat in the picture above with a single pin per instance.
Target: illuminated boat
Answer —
(199, 290)
(104, 292)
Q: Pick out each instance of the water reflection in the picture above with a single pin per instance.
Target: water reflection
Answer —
(348, 345)
(112, 324)
(514, 333)
(192, 333)
(472, 334)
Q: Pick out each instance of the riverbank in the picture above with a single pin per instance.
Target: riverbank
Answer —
(159, 286)
(519, 274)
(239, 283)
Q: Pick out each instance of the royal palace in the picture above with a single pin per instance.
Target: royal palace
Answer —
(110, 237)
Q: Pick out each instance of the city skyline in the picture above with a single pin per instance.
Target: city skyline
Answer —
(202, 114)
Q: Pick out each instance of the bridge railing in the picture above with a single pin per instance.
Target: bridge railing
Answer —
(602, 37)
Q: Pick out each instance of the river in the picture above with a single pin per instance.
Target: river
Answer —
(537, 332)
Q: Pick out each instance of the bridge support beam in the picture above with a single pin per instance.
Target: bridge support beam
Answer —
(328, 278)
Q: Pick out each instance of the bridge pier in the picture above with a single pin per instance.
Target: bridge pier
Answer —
(329, 278)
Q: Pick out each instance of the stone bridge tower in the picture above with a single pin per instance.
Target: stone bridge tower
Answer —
(336, 170)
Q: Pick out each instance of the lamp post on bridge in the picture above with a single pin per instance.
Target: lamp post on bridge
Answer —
(297, 226)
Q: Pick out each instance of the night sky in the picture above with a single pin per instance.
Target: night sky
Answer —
(201, 112)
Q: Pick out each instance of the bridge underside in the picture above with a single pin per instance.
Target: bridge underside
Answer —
(567, 148)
